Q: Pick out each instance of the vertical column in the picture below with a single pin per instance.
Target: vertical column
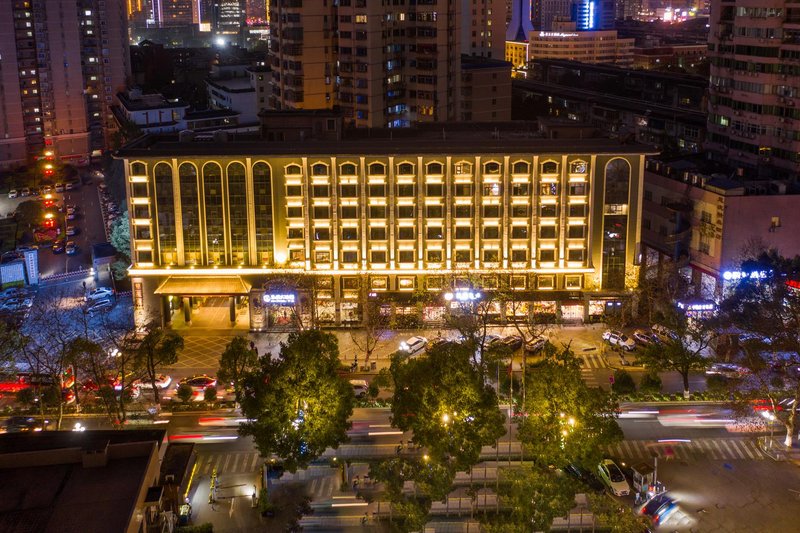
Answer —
(232, 308)
(187, 310)
(252, 252)
(176, 195)
(166, 312)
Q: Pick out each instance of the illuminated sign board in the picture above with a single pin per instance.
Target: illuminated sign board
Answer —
(735, 275)
(462, 296)
(697, 306)
(556, 34)
(279, 299)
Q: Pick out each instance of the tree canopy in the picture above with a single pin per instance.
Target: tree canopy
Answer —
(444, 400)
(566, 421)
(235, 362)
(159, 347)
(297, 403)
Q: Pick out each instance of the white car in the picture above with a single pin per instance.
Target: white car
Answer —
(613, 478)
(535, 344)
(360, 387)
(728, 370)
(100, 293)
(617, 338)
(643, 337)
(663, 333)
(163, 381)
(414, 345)
(98, 306)
(13, 193)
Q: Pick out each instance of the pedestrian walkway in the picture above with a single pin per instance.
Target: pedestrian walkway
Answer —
(715, 449)
(228, 463)
(593, 360)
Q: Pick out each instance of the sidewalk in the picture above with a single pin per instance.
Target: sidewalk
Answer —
(233, 510)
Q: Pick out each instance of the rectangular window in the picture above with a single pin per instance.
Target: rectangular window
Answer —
(405, 256)
(548, 211)
(463, 232)
(491, 232)
(434, 211)
(322, 211)
(322, 256)
(547, 232)
(573, 282)
(350, 256)
(547, 256)
(349, 190)
(519, 232)
(296, 255)
(434, 256)
(377, 211)
(349, 211)
(377, 256)
(575, 255)
(377, 233)
(434, 232)
(406, 233)
(322, 234)
(577, 189)
(491, 211)
(545, 282)
(349, 234)
(463, 256)
(520, 210)
(491, 256)
(520, 189)
(519, 256)
(294, 190)
(548, 189)
(576, 232)
(462, 189)
(320, 191)
(577, 210)
(377, 190)
(405, 190)
(463, 211)
(492, 189)
(294, 233)
(434, 189)
(406, 211)
(294, 212)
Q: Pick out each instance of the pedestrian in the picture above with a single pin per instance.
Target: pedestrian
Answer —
(364, 519)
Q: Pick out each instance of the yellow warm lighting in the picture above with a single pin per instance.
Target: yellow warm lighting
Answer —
(48, 153)
(48, 216)
(138, 179)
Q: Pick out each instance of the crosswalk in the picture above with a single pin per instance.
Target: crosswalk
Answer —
(686, 450)
(593, 360)
(228, 463)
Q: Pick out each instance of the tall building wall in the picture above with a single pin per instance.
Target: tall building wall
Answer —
(483, 28)
(754, 91)
(12, 126)
(69, 59)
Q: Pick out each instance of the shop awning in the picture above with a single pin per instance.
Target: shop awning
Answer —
(204, 286)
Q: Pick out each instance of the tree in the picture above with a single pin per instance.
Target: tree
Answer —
(297, 404)
(210, 395)
(373, 326)
(159, 347)
(236, 362)
(185, 393)
(29, 213)
(623, 382)
(684, 350)
(766, 305)
(121, 235)
(535, 495)
(615, 517)
(11, 341)
(445, 401)
(566, 421)
(651, 383)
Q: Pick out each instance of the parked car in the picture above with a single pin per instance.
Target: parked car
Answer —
(513, 342)
(71, 248)
(663, 333)
(360, 387)
(727, 370)
(71, 216)
(24, 424)
(642, 337)
(25, 192)
(58, 246)
(585, 477)
(13, 193)
(72, 185)
(72, 231)
(46, 189)
(163, 381)
(199, 382)
(100, 293)
(492, 341)
(438, 341)
(414, 345)
(59, 187)
(613, 478)
(535, 344)
(617, 338)
(99, 306)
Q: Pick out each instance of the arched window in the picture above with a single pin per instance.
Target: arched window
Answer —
(348, 169)
(435, 168)
(262, 204)
(190, 212)
(215, 225)
(463, 167)
(237, 213)
(319, 169)
(405, 169)
(377, 169)
(618, 174)
(294, 170)
(165, 213)
(492, 167)
(138, 169)
(578, 166)
(522, 167)
(549, 167)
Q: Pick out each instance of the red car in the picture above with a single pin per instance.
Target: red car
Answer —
(199, 383)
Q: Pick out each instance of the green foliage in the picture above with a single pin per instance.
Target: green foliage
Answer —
(717, 383)
(614, 516)
(119, 269)
(26, 397)
(535, 495)
(185, 393)
(567, 421)
(650, 384)
(159, 347)
(121, 235)
(298, 403)
(235, 362)
(210, 395)
(623, 382)
(208, 527)
(29, 213)
(443, 399)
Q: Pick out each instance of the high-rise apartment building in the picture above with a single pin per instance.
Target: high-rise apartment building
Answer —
(754, 100)
(61, 63)
(383, 64)
(165, 13)
(227, 16)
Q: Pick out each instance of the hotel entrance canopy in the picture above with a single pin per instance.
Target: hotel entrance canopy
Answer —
(204, 286)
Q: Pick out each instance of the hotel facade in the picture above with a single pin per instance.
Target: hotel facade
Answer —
(313, 230)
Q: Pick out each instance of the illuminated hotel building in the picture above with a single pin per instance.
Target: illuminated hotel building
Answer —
(327, 224)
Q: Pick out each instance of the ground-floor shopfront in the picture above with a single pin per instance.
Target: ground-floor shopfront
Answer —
(268, 303)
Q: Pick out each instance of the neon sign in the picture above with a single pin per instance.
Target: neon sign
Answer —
(279, 299)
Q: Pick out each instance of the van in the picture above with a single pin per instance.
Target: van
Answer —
(414, 345)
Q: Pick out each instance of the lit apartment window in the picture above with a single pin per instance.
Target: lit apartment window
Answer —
(434, 256)
(463, 256)
(573, 282)
(491, 256)
(545, 282)
(491, 167)
(463, 168)
(322, 256)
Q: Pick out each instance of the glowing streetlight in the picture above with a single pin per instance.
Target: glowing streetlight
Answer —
(445, 418)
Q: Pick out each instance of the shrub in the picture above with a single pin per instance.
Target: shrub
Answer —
(623, 382)
(185, 393)
(716, 383)
(210, 394)
(208, 527)
(651, 383)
